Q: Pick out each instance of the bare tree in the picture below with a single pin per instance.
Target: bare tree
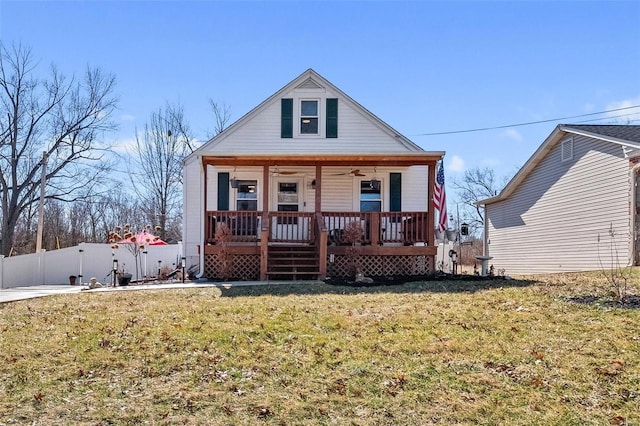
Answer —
(477, 184)
(156, 175)
(58, 116)
(221, 115)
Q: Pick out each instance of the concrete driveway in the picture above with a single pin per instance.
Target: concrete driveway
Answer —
(21, 293)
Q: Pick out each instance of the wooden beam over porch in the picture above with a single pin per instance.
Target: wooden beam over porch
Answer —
(350, 160)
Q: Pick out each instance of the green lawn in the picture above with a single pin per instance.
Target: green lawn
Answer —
(435, 352)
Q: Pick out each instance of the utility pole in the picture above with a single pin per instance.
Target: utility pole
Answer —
(43, 180)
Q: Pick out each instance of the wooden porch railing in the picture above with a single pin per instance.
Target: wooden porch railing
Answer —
(406, 228)
(244, 225)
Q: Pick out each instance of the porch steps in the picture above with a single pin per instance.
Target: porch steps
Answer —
(292, 262)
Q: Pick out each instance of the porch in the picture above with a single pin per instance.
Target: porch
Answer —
(271, 209)
(265, 245)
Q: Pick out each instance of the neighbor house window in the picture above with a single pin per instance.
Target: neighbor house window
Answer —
(308, 117)
(247, 197)
(370, 196)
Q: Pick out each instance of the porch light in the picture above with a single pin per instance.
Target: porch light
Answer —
(374, 183)
(234, 181)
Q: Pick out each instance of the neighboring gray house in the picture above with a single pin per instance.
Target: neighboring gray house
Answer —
(556, 214)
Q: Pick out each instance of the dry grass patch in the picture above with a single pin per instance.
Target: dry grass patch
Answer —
(436, 352)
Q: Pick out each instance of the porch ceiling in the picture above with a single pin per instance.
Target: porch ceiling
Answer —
(386, 159)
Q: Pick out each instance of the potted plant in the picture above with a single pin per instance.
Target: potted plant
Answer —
(72, 279)
(124, 278)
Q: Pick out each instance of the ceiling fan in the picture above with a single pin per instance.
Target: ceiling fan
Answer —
(353, 172)
(278, 172)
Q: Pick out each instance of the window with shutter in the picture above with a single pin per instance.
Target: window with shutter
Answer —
(309, 117)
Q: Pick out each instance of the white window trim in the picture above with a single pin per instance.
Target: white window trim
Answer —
(321, 127)
(234, 193)
(566, 149)
(384, 193)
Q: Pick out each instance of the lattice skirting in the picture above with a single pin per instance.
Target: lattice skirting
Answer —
(382, 266)
(245, 267)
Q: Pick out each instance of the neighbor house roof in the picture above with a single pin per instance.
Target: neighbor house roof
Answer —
(613, 133)
(624, 135)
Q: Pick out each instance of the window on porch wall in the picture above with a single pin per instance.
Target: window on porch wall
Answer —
(370, 196)
(247, 196)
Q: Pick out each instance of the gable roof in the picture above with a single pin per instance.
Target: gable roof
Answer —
(624, 135)
(308, 79)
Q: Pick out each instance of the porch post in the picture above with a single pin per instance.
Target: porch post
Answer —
(430, 210)
(264, 227)
(318, 188)
(322, 240)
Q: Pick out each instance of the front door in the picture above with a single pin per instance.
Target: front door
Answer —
(289, 199)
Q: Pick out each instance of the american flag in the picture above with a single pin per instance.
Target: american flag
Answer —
(440, 199)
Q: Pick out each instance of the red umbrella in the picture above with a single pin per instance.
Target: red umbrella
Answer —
(143, 238)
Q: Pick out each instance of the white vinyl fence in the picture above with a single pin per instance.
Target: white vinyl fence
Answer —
(84, 261)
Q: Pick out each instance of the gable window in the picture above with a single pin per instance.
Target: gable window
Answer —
(567, 149)
(309, 117)
(247, 196)
(370, 196)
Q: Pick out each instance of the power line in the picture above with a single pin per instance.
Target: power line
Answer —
(609, 118)
(481, 129)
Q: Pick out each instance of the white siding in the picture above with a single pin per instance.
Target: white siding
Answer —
(357, 133)
(552, 221)
(414, 189)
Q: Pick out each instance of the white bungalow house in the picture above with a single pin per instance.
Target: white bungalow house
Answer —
(559, 211)
(270, 197)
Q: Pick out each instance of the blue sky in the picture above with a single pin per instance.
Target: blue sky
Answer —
(421, 66)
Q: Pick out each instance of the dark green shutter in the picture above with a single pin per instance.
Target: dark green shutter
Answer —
(286, 125)
(395, 192)
(332, 117)
(223, 191)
